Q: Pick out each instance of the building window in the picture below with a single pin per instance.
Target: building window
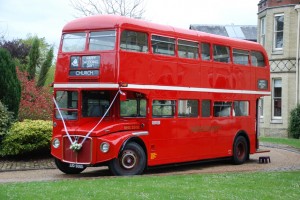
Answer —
(263, 31)
(277, 99)
(261, 108)
(278, 31)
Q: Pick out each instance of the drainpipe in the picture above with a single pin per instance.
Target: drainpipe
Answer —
(297, 8)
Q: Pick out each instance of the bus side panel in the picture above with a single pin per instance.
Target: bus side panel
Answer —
(222, 76)
(242, 77)
(162, 71)
(116, 140)
(108, 68)
(189, 74)
(134, 67)
(162, 141)
(207, 74)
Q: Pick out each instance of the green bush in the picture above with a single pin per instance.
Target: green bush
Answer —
(294, 123)
(29, 136)
(6, 119)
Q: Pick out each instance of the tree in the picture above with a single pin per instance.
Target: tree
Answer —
(45, 68)
(36, 103)
(129, 8)
(33, 59)
(18, 50)
(294, 123)
(10, 90)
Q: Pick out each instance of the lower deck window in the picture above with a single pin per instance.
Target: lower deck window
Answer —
(163, 108)
(133, 108)
(205, 108)
(241, 108)
(222, 109)
(187, 108)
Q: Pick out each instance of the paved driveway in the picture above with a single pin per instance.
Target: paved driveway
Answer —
(281, 160)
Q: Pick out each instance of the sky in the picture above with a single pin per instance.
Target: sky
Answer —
(46, 18)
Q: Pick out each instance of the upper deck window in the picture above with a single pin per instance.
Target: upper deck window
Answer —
(187, 49)
(134, 41)
(102, 40)
(257, 59)
(240, 57)
(163, 45)
(205, 51)
(73, 42)
(221, 53)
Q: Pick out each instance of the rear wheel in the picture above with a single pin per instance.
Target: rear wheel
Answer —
(131, 161)
(65, 167)
(240, 150)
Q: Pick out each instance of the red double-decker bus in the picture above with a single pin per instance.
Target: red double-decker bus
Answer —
(131, 94)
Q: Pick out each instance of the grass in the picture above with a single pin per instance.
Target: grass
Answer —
(259, 185)
(287, 141)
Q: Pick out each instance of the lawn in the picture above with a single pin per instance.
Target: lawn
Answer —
(287, 141)
(258, 185)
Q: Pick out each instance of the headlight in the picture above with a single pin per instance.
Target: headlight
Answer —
(55, 143)
(104, 147)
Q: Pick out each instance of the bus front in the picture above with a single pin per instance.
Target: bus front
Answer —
(87, 127)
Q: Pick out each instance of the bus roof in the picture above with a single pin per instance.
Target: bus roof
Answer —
(113, 21)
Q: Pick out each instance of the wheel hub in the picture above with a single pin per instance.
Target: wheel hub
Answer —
(128, 160)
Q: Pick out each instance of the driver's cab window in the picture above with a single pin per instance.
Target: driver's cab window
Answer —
(94, 103)
(67, 105)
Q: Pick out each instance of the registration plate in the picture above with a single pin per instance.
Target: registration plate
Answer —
(77, 166)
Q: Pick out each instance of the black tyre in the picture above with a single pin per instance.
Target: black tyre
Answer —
(131, 161)
(240, 150)
(65, 167)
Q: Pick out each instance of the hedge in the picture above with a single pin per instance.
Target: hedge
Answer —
(29, 136)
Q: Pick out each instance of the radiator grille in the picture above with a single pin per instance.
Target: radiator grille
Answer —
(83, 156)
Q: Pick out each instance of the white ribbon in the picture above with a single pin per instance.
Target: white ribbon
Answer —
(63, 121)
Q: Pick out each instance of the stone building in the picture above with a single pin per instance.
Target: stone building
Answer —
(278, 31)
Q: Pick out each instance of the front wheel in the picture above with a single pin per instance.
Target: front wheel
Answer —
(65, 167)
(131, 161)
(240, 150)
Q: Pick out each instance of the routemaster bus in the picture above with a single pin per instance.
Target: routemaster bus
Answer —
(130, 94)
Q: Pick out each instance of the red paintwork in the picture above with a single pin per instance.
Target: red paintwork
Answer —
(175, 139)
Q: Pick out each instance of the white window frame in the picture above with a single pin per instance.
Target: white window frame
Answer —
(261, 109)
(263, 31)
(276, 85)
(276, 31)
